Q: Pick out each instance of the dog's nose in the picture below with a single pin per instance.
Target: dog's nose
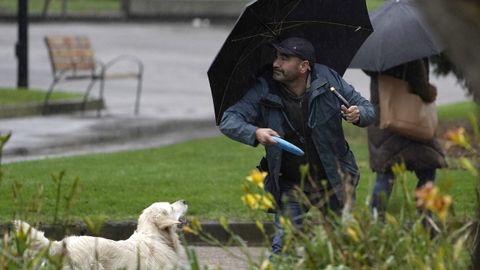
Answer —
(182, 201)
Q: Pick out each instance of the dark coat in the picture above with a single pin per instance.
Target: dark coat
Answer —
(262, 106)
(387, 148)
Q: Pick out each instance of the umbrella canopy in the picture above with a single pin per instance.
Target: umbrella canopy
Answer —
(335, 28)
(400, 36)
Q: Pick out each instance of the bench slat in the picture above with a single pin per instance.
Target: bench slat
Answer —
(70, 53)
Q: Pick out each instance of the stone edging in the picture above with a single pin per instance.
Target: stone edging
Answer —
(121, 230)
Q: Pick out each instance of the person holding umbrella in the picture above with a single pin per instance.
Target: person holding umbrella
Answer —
(399, 47)
(294, 100)
(387, 148)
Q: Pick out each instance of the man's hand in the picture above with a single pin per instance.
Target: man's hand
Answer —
(351, 114)
(264, 136)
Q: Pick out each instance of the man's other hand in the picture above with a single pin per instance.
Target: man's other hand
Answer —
(351, 114)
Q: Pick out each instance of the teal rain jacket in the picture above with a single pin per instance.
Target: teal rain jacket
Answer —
(261, 107)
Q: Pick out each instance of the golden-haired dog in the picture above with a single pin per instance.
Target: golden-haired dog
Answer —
(153, 245)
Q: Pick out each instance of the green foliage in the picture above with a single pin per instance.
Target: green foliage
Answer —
(410, 238)
(420, 235)
(15, 247)
(364, 242)
(360, 239)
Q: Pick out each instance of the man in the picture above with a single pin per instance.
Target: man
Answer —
(294, 102)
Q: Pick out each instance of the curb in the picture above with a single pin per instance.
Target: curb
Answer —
(105, 136)
(122, 230)
(53, 107)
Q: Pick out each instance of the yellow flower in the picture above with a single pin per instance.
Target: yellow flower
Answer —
(426, 195)
(352, 234)
(441, 206)
(266, 265)
(428, 198)
(187, 229)
(286, 223)
(196, 225)
(224, 222)
(260, 226)
(251, 200)
(391, 219)
(467, 165)
(457, 137)
(266, 203)
(257, 177)
(399, 168)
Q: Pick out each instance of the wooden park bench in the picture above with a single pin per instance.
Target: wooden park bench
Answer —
(72, 58)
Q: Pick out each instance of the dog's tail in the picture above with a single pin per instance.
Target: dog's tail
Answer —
(36, 239)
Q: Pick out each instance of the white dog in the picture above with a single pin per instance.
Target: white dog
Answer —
(154, 244)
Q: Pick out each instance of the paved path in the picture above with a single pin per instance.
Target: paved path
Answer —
(231, 259)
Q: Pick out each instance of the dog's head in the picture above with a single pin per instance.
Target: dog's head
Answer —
(162, 216)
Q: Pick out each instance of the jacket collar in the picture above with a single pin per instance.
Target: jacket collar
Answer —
(317, 80)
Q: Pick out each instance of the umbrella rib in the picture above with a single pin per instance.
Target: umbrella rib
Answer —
(278, 25)
(263, 23)
(263, 34)
(299, 23)
(356, 27)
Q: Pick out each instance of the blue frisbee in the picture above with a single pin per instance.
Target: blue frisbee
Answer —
(287, 146)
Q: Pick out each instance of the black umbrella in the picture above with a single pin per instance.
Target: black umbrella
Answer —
(336, 28)
(400, 36)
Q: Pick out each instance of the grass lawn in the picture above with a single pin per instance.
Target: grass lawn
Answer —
(207, 173)
(453, 112)
(374, 4)
(14, 96)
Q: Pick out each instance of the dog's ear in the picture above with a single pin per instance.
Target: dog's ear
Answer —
(162, 220)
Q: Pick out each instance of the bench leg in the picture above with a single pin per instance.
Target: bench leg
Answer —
(87, 93)
(49, 93)
(102, 86)
(139, 92)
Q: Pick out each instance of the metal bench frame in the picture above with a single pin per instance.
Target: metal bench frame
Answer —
(72, 58)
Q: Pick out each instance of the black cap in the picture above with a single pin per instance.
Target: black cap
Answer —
(299, 47)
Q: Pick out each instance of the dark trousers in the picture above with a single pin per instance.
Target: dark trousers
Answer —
(292, 209)
(384, 185)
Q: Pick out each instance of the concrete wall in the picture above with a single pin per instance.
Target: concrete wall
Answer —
(185, 8)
